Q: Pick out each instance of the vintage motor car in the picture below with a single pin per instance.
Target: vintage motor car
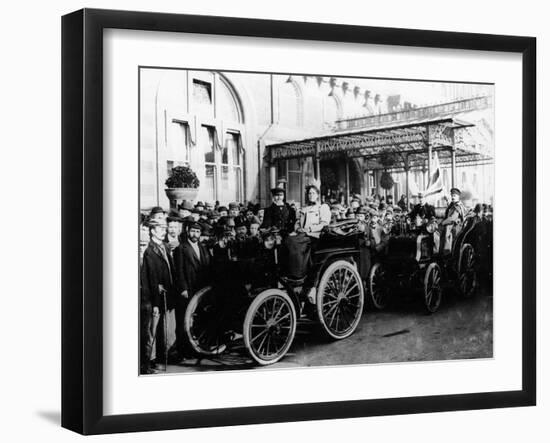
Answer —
(412, 261)
(266, 312)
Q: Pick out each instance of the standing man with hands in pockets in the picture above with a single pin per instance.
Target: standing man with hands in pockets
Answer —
(192, 263)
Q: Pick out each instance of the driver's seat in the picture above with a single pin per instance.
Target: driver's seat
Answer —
(294, 282)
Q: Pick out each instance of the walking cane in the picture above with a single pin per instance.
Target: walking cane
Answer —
(153, 332)
(161, 289)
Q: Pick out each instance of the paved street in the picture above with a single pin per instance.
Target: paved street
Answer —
(461, 329)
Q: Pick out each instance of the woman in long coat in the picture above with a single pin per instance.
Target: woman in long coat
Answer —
(314, 216)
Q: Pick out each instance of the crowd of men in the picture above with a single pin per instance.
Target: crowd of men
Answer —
(183, 250)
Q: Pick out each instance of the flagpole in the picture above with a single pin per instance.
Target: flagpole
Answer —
(407, 169)
(429, 151)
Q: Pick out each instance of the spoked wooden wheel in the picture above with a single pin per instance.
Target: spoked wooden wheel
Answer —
(269, 326)
(204, 323)
(378, 287)
(467, 276)
(432, 288)
(340, 298)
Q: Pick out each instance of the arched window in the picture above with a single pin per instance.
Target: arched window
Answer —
(221, 141)
(231, 188)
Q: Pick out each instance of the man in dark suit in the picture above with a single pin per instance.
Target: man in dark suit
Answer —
(280, 214)
(157, 287)
(422, 209)
(192, 263)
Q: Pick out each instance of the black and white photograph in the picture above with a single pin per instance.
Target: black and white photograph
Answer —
(275, 221)
(291, 220)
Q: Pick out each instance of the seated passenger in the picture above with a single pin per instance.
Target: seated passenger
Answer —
(452, 223)
(422, 209)
(295, 254)
(280, 214)
(314, 216)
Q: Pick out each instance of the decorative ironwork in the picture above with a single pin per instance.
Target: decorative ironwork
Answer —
(292, 150)
(403, 139)
(441, 135)
(456, 107)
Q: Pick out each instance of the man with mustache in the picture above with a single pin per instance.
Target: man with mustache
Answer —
(280, 214)
(192, 264)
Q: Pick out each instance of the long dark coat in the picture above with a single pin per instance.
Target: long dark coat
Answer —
(281, 217)
(192, 274)
(156, 270)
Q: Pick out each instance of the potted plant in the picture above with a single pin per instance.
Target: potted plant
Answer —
(387, 158)
(182, 184)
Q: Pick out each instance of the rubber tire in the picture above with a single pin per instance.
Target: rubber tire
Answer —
(324, 279)
(189, 311)
(251, 312)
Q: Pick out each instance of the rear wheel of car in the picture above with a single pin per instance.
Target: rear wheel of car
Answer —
(378, 287)
(432, 288)
(340, 299)
(467, 275)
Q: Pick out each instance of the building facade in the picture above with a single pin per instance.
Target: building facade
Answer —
(219, 124)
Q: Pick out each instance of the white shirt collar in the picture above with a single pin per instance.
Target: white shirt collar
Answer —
(195, 247)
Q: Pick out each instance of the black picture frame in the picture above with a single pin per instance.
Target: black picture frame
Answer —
(82, 190)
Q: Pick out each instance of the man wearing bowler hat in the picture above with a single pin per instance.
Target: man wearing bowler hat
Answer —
(185, 208)
(192, 263)
(280, 214)
(157, 286)
(157, 213)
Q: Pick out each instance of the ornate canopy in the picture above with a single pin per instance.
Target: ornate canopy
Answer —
(410, 142)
